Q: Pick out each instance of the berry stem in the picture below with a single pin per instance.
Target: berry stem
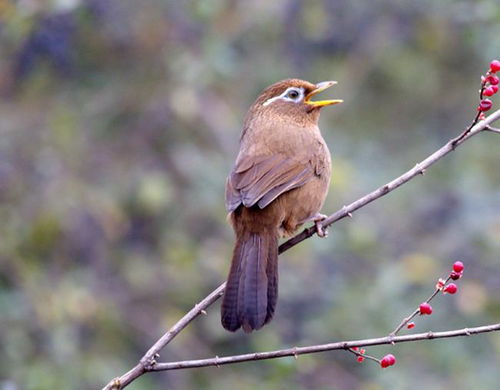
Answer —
(369, 357)
(417, 311)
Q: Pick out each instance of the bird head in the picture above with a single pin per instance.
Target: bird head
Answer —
(291, 99)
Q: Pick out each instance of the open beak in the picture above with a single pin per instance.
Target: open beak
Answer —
(320, 87)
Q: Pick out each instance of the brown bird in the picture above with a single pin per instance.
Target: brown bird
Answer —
(279, 181)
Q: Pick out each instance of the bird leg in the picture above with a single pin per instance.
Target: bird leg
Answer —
(320, 230)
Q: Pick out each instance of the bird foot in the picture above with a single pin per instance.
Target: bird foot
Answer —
(320, 230)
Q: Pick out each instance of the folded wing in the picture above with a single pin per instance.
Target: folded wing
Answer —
(260, 180)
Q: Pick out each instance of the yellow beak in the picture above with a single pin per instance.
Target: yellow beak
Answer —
(320, 87)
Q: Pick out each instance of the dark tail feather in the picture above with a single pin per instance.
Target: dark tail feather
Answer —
(252, 285)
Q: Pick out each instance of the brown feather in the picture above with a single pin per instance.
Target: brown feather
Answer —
(252, 287)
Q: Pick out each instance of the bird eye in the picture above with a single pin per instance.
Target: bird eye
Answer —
(292, 94)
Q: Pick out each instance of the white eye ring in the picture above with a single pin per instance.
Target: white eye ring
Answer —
(292, 94)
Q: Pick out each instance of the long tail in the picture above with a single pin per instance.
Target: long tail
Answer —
(252, 285)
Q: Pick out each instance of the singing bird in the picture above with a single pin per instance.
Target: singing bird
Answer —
(279, 181)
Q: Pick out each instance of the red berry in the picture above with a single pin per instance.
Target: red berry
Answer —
(355, 348)
(489, 91)
(451, 288)
(494, 88)
(455, 275)
(425, 308)
(387, 360)
(495, 66)
(485, 105)
(410, 325)
(493, 80)
(360, 359)
(458, 266)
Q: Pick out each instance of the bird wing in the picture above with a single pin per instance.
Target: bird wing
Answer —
(260, 180)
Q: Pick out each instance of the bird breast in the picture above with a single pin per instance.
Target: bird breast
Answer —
(269, 137)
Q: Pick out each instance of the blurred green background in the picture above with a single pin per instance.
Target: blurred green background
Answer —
(119, 121)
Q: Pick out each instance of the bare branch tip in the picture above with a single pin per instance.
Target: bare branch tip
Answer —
(492, 129)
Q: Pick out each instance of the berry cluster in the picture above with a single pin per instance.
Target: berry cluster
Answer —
(489, 86)
(386, 361)
(444, 286)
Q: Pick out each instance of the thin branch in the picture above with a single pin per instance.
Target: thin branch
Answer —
(182, 323)
(148, 361)
(342, 345)
(418, 169)
(493, 129)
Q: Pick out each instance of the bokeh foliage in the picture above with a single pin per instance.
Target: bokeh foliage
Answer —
(119, 121)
